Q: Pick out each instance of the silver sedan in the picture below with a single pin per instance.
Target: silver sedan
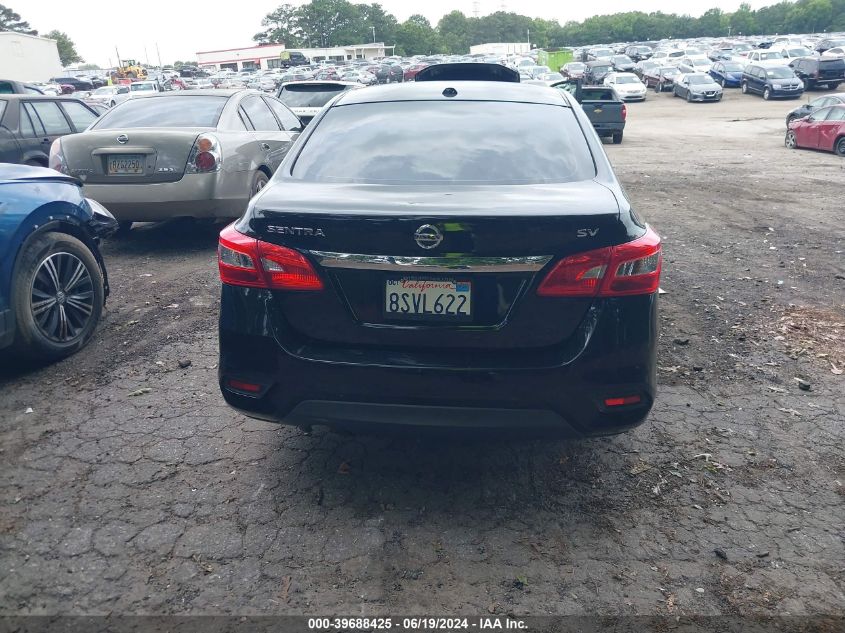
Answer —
(200, 154)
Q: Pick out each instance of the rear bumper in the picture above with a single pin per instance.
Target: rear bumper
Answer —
(217, 195)
(301, 383)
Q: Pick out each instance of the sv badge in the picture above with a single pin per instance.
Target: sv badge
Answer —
(587, 232)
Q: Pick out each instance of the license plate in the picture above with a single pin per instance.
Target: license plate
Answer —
(126, 164)
(428, 299)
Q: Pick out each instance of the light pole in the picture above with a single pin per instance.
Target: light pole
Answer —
(374, 34)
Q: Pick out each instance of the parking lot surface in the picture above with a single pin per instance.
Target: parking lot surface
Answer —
(129, 487)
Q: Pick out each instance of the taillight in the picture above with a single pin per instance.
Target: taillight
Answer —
(205, 155)
(624, 112)
(57, 157)
(246, 261)
(632, 268)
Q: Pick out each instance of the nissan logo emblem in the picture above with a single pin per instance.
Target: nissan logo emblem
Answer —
(123, 139)
(428, 236)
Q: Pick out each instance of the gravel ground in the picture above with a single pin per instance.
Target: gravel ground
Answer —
(129, 487)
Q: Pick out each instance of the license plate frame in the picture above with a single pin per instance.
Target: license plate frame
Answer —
(113, 159)
(428, 297)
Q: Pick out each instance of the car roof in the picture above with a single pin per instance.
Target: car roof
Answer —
(216, 92)
(34, 97)
(466, 91)
(320, 82)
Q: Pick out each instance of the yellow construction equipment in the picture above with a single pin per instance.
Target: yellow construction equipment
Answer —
(130, 69)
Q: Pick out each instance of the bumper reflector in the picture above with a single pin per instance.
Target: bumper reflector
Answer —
(621, 402)
(240, 385)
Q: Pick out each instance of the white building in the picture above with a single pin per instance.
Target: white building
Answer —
(28, 58)
(500, 48)
(268, 55)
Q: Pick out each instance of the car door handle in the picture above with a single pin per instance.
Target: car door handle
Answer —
(265, 147)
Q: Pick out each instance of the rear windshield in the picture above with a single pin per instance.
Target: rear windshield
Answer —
(201, 111)
(309, 95)
(779, 73)
(831, 63)
(432, 142)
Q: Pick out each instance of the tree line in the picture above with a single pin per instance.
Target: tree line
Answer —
(322, 23)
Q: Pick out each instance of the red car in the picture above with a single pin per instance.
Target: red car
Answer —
(824, 129)
(411, 71)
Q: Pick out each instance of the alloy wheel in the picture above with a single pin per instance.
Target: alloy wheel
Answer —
(790, 140)
(840, 146)
(62, 297)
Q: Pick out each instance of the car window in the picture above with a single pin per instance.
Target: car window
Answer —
(835, 114)
(401, 143)
(176, 111)
(6, 88)
(260, 115)
(27, 129)
(2, 109)
(820, 115)
(290, 122)
(80, 116)
(818, 103)
(51, 117)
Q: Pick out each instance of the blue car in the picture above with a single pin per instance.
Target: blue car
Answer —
(53, 282)
(727, 74)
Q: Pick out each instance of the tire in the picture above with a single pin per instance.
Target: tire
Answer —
(35, 163)
(809, 84)
(767, 94)
(722, 82)
(789, 141)
(259, 181)
(617, 137)
(744, 88)
(839, 147)
(59, 323)
(689, 97)
(834, 86)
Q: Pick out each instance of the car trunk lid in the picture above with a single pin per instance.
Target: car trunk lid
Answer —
(132, 156)
(367, 240)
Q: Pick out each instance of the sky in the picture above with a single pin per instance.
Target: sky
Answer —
(178, 29)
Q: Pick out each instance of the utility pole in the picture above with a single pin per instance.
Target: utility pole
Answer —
(146, 57)
(119, 64)
(374, 35)
(158, 52)
(729, 31)
(528, 37)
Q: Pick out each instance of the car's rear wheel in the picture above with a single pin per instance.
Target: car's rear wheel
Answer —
(809, 84)
(617, 138)
(259, 181)
(839, 148)
(767, 94)
(744, 88)
(722, 82)
(689, 97)
(790, 141)
(57, 295)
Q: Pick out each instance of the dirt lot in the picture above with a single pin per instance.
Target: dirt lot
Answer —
(128, 486)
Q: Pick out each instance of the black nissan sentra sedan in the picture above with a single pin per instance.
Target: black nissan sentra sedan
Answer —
(455, 253)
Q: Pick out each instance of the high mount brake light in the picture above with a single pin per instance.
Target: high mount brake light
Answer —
(626, 269)
(246, 261)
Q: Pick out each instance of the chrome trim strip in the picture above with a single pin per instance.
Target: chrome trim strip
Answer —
(463, 263)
